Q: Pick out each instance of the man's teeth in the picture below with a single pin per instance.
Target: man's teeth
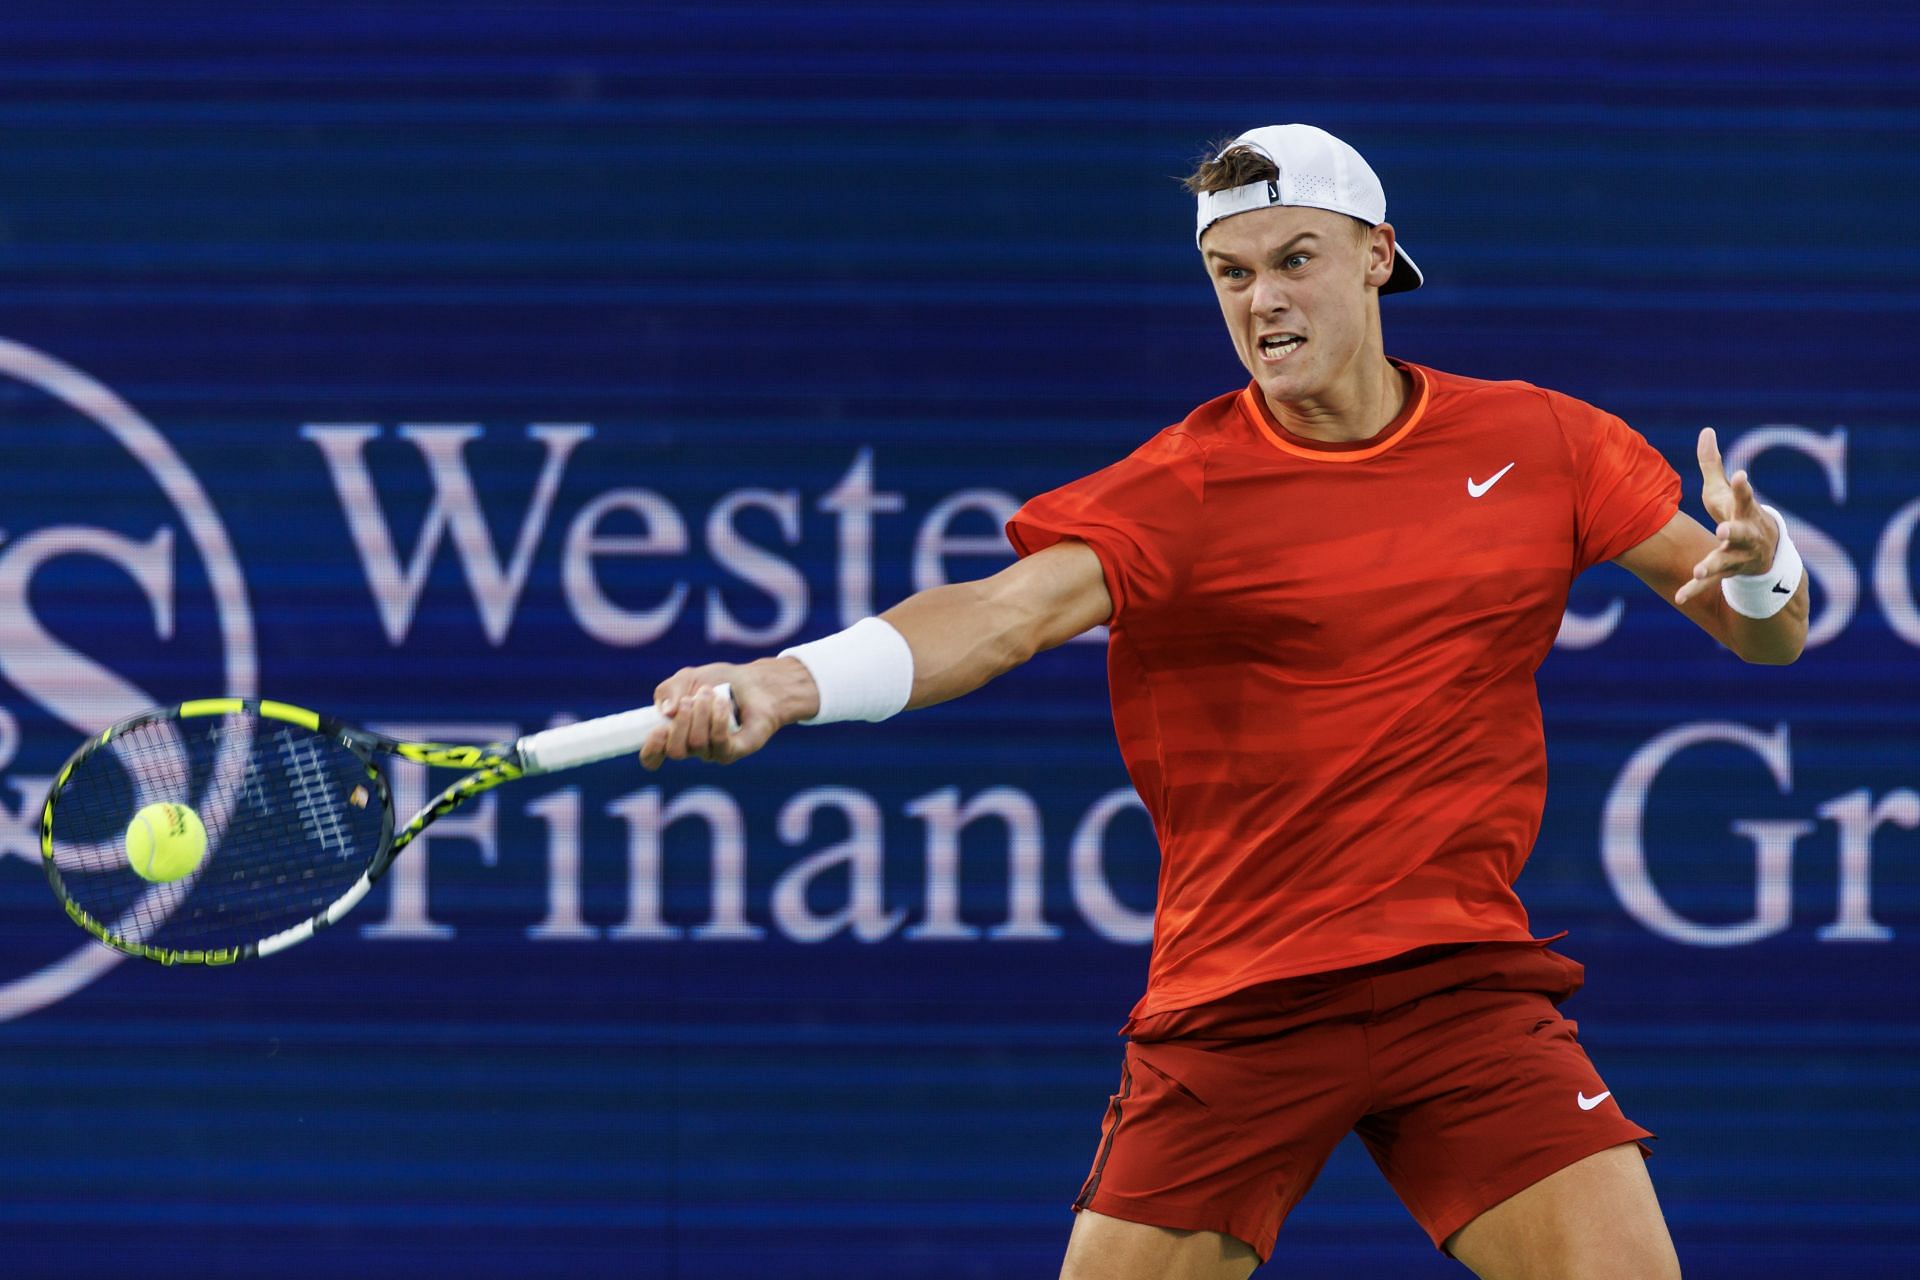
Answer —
(1279, 346)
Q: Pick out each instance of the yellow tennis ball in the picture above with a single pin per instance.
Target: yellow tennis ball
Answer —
(165, 842)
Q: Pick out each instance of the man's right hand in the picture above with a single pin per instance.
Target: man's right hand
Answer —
(768, 695)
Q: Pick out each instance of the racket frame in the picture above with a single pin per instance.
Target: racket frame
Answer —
(488, 766)
(363, 744)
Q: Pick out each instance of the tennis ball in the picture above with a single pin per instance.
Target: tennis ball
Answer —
(165, 842)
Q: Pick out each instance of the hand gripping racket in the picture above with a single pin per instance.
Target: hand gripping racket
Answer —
(298, 819)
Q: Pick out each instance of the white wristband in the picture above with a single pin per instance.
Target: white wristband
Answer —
(1761, 595)
(863, 673)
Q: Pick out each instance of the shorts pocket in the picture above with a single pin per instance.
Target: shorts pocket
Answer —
(1174, 1084)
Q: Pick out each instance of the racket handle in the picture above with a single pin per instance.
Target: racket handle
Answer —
(575, 744)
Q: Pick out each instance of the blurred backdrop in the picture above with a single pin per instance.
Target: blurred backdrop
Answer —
(462, 368)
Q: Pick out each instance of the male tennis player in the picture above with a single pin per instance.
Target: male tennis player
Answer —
(1328, 593)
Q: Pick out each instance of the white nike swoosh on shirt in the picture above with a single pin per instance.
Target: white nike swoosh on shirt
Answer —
(1475, 490)
(1586, 1103)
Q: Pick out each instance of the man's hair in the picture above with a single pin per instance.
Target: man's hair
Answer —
(1231, 166)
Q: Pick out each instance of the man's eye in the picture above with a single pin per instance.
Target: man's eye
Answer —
(1234, 273)
(1295, 261)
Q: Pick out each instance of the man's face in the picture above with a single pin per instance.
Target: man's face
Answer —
(1293, 287)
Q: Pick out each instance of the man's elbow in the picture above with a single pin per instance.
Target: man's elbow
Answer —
(1016, 650)
(1773, 642)
(1775, 651)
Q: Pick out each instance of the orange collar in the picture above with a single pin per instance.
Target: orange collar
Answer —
(1254, 405)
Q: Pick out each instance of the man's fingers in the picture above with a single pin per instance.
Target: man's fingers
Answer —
(1740, 550)
(1719, 563)
(1744, 503)
(719, 726)
(679, 726)
(1724, 498)
(1707, 449)
(722, 739)
(653, 752)
(693, 710)
(702, 721)
(1705, 575)
(674, 740)
(699, 727)
(672, 688)
(1748, 537)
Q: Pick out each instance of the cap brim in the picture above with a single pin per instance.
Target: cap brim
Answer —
(1406, 276)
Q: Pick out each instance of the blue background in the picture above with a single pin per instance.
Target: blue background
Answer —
(747, 243)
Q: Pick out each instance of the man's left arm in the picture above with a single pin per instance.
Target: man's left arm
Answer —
(1686, 563)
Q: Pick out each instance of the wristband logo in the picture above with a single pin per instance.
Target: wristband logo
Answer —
(52, 418)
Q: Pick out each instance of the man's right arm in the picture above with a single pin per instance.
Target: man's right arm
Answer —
(961, 636)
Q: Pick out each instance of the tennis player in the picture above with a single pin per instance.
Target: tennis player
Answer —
(1327, 593)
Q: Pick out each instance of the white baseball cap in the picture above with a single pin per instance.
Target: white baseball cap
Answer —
(1317, 170)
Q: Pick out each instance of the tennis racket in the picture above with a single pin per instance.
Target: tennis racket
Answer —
(297, 813)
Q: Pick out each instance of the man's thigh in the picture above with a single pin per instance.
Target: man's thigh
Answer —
(1483, 1093)
(1596, 1219)
(1223, 1139)
(1103, 1248)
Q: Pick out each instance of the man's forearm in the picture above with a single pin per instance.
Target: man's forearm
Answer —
(1774, 641)
(968, 633)
(960, 640)
(958, 637)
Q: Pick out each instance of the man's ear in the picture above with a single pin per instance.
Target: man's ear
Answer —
(1380, 255)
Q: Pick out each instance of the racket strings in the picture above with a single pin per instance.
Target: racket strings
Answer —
(291, 818)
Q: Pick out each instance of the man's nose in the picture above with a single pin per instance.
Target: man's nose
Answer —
(1269, 296)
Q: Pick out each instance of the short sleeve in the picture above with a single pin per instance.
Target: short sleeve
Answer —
(1140, 516)
(1626, 492)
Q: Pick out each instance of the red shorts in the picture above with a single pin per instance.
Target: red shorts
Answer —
(1450, 1062)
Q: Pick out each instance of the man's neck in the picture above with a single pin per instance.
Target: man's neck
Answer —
(1359, 410)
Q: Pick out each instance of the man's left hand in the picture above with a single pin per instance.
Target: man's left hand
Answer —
(1745, 536)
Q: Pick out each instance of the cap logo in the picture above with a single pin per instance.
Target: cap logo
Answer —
(1273, 192)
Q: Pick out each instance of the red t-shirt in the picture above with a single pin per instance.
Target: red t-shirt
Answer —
(1322, 660)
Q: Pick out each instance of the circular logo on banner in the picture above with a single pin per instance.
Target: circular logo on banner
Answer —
(60, 644)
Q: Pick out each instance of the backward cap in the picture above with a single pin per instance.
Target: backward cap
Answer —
(1317, 171)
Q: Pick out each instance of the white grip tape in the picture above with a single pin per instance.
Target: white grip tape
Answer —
(575, 744)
